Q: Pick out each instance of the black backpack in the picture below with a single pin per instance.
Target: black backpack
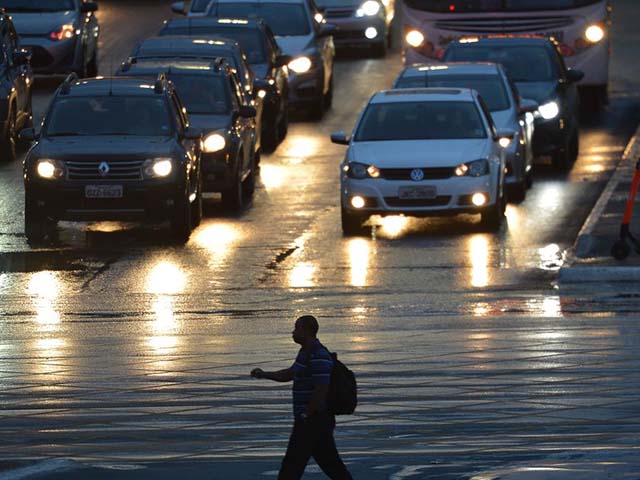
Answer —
(343, 390)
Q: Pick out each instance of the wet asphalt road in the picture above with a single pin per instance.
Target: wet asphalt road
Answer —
(117, 347)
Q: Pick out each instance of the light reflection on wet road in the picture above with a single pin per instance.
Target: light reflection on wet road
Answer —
(116, 345)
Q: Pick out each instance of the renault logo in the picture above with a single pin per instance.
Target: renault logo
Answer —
(103, 169)
(417, 175)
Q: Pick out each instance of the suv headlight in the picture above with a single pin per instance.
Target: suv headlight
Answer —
(368, 9)
(50, 169)
(300, 64)
(361, 171)
(549, 110)
(214, 142)
(476, 168)
(157, 167)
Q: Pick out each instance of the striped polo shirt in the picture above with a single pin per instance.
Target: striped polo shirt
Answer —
(309, 372)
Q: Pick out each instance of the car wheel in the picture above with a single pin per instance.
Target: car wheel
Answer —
(181, 222)
(283, 126)
(529, 180)
(564, 159)
(249, 186)
(352, 223)
(318, 109)
(92, 66)
(493, 216)
(36, 225)
(518, 192)
(9, 139)
(233, 198)
(379, 50)
(196, 206)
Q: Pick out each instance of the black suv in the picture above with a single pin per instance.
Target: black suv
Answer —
(16, 79)
(113, 149)
(212, 94)
(266, 60)
(536, 66)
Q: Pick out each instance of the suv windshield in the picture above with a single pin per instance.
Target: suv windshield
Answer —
(37, 5)
(284, 19)
(420, 121)
(113, 115)
(202, 94)
(490, 87)
(471, 6)
(517, 59)
(249, 39)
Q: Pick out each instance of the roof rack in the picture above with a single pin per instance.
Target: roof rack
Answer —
(161, 83)
(66, 85)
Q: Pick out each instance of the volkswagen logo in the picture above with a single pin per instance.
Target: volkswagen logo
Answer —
(103, 169)
(417, 175)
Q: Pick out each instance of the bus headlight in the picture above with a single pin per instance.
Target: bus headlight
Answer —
(594, 33)
(368, 8)
(214, 143)
(549, 110)
(414, 38)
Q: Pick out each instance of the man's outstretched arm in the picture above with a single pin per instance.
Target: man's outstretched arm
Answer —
(285, 375)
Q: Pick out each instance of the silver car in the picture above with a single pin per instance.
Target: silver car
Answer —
(508, 110)
(61, 34)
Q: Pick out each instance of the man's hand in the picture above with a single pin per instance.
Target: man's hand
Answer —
(257, 373)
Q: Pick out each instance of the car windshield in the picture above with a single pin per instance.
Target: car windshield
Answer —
(250, 39)
(202, 94)
(420, 121)
(37, 5)
(517, 59)
(470, 6)
(284, 19)
(490, 87)
(109, 115)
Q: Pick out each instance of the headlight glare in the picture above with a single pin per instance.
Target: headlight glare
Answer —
(64, 33)
(214, 143)
(373, 171)
(300, 65)
(157, 167)
(549, 110)
(414, 38)
(594, 33)
(49, 169)
(368, 8)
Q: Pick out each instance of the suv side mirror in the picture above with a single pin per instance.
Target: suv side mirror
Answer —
(192, 133)
(22, 57)
(247, 111)
(28, 134)
(178, 7)
(574, 76)
(282, 60)
(327, 29)
(340, 138)
(88, 7)
(528, 106)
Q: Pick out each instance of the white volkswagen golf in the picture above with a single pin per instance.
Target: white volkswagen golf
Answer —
(423, 152)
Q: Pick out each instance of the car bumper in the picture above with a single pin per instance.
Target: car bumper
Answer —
(549, 136)
(217, 172)
(142, 201)
(453, 196)
(351, 31)
(306, 88)
(52, 56)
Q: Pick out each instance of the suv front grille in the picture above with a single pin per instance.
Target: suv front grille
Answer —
(405, 173)
(118, 170)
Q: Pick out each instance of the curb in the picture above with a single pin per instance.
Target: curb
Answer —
(571, 273)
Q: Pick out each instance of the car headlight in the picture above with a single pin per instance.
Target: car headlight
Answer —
(300, 64)
(361, 171)
(65, 32)
(157, 167)
(368, 9)
(549, 110)
(594, 33)
(477, 168)
(414, 38)
(214, 143)
(50, 169)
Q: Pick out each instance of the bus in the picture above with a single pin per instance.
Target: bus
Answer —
(581, 27)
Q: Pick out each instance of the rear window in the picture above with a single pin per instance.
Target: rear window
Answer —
(112, 115)
(525, 63)
(202, 94)
(284, 19)
(490, 87)
(38, 5)
(420, 121)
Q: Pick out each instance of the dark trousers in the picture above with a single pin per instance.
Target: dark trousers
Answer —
(313, 437)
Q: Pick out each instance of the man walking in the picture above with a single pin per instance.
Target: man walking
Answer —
(313, 426)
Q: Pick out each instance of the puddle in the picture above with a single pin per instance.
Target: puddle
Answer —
(53, 260)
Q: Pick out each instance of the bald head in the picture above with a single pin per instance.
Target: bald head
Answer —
(309, 324)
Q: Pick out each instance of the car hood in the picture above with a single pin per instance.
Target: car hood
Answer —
(295, 45)
(541, 92)
(41, 23)
(418, 153)
(209, 123)
(104, 146)
(504, 119)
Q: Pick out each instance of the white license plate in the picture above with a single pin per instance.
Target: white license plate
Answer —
(417, 193)
(103, 191)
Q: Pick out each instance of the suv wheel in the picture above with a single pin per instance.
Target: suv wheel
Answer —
(36, 225)
(181, 222)
(9, 139)
(233, 198)
(352, 223)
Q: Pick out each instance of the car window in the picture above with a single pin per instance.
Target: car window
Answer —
(38, 5)
(284, 19)
(420, 121)
(491, 87)
(516, 59)
(202, 94)
(112, 115)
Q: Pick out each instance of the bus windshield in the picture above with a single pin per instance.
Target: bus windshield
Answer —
(474, 6)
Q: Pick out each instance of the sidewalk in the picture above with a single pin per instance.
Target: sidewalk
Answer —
(590, 259)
